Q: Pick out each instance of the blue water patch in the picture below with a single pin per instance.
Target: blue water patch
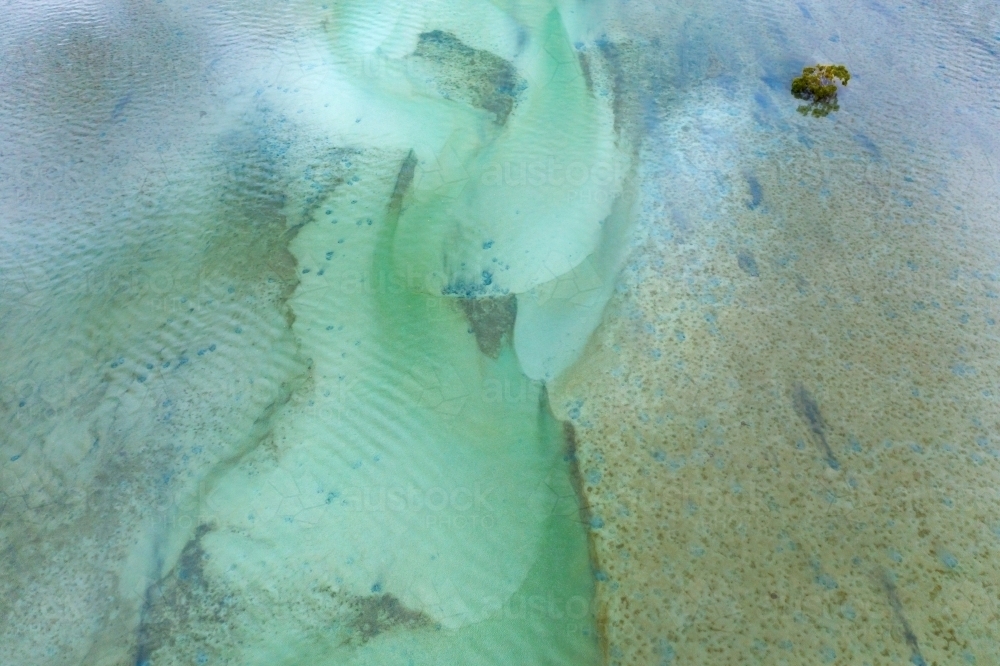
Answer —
(765, 103)
(119, 108)
(827, 581)
(881, 9)
(756, 192)
(962, 370)
(865, 142)
(666, 652)
(779, 72)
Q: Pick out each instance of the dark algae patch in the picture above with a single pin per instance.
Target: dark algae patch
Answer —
(190, 613)
(403, 180)
(492, 321)
(575, 477)
(477, 77)
(265, 199)
(586, 515)
(807, 408)
(379, 613)
(181, 609)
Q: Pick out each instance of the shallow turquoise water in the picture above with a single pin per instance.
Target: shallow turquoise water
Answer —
(285, 288)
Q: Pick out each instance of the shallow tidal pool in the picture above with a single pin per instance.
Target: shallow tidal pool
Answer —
(498, 332)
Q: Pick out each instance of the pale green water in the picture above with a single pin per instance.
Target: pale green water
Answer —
(248, 418)
(286, 290)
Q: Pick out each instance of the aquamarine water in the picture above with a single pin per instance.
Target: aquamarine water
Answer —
(534, 332)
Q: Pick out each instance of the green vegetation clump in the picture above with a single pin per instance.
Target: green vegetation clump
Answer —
(818, 86)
